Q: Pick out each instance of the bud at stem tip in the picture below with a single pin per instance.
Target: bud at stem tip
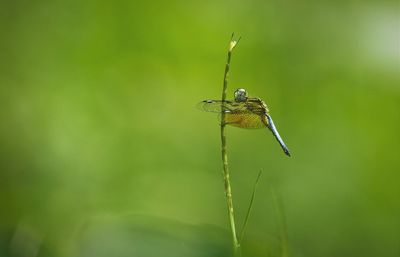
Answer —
(232, 45)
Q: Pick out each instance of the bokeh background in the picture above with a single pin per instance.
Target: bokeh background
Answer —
(103, 152)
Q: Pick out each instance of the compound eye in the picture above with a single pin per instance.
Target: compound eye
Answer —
(240, 95)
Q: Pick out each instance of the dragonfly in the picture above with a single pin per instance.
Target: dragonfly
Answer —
(244, 112)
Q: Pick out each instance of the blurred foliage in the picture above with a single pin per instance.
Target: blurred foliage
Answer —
(99, 127)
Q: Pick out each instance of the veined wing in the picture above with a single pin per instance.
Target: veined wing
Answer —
(222, 106)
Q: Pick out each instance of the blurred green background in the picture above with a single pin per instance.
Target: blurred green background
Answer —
(103, 152)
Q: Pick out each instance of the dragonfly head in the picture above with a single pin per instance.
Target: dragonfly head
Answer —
(240, 95)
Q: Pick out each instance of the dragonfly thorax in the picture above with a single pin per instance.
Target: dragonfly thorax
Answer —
(240, 95)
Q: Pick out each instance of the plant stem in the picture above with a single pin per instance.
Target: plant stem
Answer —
(282, 223)
(253, 195)
(225, 170)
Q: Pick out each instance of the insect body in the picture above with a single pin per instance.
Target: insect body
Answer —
(244, 112)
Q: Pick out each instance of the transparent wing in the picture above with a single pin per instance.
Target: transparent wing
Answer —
(219, 105)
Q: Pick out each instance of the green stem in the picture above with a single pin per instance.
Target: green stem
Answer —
(282, 223)
(225, 170)
(253, 195)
